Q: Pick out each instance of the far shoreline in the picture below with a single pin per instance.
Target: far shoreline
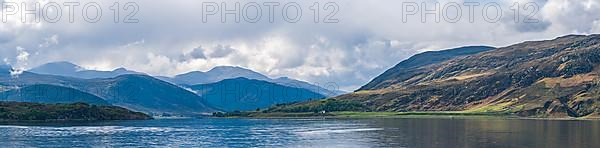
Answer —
(396, 115)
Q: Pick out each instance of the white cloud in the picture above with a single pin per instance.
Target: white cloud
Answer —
(596, 26)
(21, 63)
(52, 40)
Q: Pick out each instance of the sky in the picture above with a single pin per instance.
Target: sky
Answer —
(350, 43)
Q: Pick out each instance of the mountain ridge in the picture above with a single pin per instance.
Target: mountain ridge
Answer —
(420, 60)
(243, 94)
(558, 78)
(64, 68)
(137, 92)
(218, 73)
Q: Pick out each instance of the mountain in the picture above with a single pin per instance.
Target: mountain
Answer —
(557, 78)
(58, 68)
(5, 70)
(243, 94)
(71, 70)
(136, 92)
(551, 78)
(43, 93)
(229, 72)
(217, 74)
(407, 68)
(305, 85)
(145, 93)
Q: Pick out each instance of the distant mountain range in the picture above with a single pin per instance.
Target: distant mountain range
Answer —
(64, 82)
(136, 92)
(552, 78)
(44, 93)
(71, 70)
(216, 74)
(229, 72)
(244, 94)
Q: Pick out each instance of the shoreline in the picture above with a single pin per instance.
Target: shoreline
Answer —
(399, 115)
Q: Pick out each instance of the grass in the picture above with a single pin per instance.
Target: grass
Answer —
(413, 114)
(495, 108)
(349, 114)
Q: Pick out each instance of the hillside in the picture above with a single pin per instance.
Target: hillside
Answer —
(136, 92)
(145, 93)
(553, 78)
(244, 94)
(408, 68)
(43, 93)
(16, 111)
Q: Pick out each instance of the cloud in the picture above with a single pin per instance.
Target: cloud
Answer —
(171, 38)
(575, 16)
(52, 40)
(21, 63)
(596, 26)
(196, 53)
(220, 51)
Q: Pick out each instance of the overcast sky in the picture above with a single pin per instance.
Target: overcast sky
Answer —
(361, 40)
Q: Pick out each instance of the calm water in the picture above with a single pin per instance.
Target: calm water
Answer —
(308, 133)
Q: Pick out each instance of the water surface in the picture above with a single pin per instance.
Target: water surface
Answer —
(216, 132)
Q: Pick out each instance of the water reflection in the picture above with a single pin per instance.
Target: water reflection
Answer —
(308, 133)
(489, 133)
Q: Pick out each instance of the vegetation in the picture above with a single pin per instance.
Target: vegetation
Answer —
(350, 109)
(20, 111)
(557, 78)
(350, 114)
(328, 105)
(231, 114)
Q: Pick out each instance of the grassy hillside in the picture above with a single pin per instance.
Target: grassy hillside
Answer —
(19, 111)
(409, 67)
(328, 105)
(557, 78)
